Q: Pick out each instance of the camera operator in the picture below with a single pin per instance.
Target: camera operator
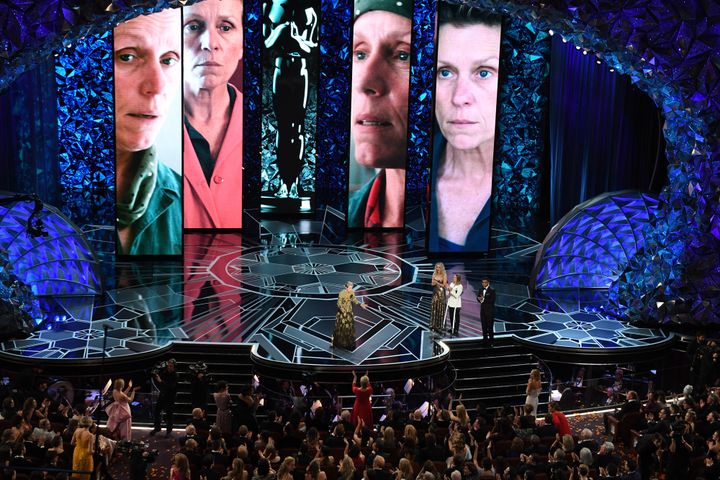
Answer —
(140, 456)
(166, 380)
(199, 386)
(679, 452)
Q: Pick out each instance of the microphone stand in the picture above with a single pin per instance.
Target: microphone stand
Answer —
(96, 453)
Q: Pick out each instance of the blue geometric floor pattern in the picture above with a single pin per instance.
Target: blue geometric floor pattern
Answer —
(279, 292)
(576, 320)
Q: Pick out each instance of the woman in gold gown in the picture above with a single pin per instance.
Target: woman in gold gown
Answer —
(84, 442)
(344, 334)
(438, 303)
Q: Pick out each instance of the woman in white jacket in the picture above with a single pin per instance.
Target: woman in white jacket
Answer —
(454, 303)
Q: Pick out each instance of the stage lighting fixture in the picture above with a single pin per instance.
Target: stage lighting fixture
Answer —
(585, 52)
(551, 32)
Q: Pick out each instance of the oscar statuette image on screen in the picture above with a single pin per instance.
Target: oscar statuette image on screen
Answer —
(213, 107)
(466, 90)
(147, 55)
(382, 35)
(289, 84)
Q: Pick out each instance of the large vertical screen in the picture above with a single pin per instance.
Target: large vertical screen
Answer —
(290, 73)
(213, 114)
(466, 91)
(382, 33)
(147, 55)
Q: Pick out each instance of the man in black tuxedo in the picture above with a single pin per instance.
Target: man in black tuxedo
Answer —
(631, 405)
(486, 297)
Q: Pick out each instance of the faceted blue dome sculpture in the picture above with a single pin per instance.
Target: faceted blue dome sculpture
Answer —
(45, 249)
(591, 245)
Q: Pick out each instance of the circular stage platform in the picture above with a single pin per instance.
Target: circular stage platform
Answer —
(278, 292)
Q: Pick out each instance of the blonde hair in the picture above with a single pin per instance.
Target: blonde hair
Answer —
(535, 374)
(237, 471)
(405, 468)
(364, 381)
(410, 432)
(119, 384)
(285, 467)
(389, 437)
(347, 468)
(181, 463)
(462, 415)
(442, 268)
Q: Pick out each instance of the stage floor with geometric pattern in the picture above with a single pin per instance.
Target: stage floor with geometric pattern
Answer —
(279, 291)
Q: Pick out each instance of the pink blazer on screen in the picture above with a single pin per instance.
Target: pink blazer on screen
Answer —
(218, 205)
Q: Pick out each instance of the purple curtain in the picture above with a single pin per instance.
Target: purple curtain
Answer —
(28, 136)
(605, 134)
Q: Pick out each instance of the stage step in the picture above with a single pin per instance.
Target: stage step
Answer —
(225, 361)
(495, 376)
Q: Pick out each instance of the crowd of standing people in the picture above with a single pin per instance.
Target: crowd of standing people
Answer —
(672, 438)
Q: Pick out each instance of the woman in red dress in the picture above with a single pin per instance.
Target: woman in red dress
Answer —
(362, 410)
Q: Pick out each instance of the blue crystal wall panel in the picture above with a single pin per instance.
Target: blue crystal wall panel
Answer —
(83, 74)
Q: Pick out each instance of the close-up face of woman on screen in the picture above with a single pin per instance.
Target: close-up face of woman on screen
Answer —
(147, 59)
(466, 95)
(382, 37)
(467, 83)
(212, 160)
(213, 36)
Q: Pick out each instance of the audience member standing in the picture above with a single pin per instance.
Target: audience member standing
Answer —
(532, 390)
(559, 419)
(245, 409)
(180, 469)
(119, 414)
(362, 410)
(84, 442)
(223, 402)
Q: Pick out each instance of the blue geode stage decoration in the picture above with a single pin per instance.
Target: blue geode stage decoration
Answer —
(333, 117)
(19, 295)
(35, 133)
(252, 101)
(51, 254)
(668, 49)
(522, 107)
(84, 79)
(420, 104)
(591, 245)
